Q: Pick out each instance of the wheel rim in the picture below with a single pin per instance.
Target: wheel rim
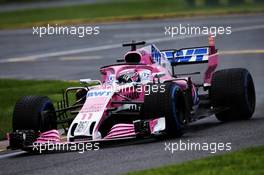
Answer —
(179, 111)
(250, 93)
(47, 120)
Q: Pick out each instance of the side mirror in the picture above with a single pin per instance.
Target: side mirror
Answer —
(159, 75)
(85, 81)
(90, 82)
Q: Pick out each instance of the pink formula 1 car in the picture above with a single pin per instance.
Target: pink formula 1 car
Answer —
(139, 97)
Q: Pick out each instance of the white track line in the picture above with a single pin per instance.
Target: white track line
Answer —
(112, 46)
(18, 59)
(3, 156)
(60, 53)
(77, 58)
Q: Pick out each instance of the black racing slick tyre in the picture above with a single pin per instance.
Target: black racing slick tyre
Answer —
(233, 89)
(168, 102)
(34, 113)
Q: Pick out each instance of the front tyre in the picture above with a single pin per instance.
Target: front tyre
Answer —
(168, 102)
(34, 113)
(233, 89)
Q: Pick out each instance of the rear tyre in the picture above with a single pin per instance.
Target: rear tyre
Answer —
(34, 113)
(168, 102)
(234, 89)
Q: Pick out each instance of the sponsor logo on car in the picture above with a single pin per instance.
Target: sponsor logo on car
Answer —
(100, 93)
(187, 55)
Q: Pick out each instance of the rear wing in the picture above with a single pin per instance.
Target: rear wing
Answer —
(195, 55)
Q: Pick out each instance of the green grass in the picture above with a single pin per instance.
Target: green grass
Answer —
(246, 162)
(12, 90)
(116, 11)
(15, 1)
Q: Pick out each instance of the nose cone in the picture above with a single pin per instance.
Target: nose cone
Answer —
(86, 123)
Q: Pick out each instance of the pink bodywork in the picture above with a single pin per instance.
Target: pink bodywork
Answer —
(52, 136)
(121, 130)
(102, 103)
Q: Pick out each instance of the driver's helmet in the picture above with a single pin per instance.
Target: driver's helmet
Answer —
(128, 77)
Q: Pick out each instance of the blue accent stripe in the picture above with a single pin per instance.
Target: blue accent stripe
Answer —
(201, 51)
(199, 58)
(189, 52)
(169, 54)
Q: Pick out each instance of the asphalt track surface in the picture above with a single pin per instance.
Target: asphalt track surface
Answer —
(28, 57)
